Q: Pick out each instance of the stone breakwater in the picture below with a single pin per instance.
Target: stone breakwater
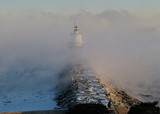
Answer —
(80, 85)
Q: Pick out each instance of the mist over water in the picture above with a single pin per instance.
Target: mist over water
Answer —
(33, 50)
(120, 46)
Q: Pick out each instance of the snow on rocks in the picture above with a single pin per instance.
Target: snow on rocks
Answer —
(84, 87)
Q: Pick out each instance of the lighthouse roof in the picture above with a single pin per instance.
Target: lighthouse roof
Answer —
(76, 28)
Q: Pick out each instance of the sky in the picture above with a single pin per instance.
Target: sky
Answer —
(139, 7)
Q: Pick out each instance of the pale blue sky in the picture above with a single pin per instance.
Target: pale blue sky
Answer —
(143, 7)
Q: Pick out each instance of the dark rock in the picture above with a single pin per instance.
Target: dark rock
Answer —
(88, 109)
(145, 108)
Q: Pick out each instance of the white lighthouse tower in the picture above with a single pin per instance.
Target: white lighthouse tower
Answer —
(77, 37)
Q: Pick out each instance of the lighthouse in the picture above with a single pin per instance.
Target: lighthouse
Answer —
(76, 37)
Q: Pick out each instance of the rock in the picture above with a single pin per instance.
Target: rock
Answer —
(88, 109)
(145, 108)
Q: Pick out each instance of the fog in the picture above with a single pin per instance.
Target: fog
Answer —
(33, 49)
(120, 46)
(124, 49)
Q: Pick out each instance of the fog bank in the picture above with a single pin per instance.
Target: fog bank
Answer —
(120, 46)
